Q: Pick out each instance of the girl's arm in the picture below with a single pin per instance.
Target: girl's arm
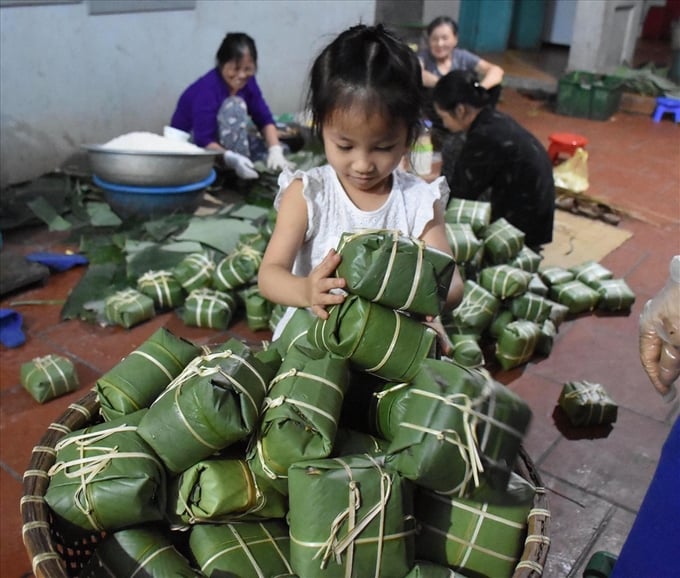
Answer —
(435, 236)
(275, 278)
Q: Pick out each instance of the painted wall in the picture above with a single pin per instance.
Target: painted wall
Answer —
(605, 34)
(69, 78)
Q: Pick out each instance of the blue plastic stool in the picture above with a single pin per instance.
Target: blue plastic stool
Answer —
(665, 104)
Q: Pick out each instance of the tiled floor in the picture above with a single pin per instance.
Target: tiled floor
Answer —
(596, 479)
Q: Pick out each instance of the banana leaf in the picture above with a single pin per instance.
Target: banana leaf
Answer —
(527, 260)
(463, 241)
(530, 307)
(395, 271)
(517, 343)
(128, 308)
(208, 308)
(49, 377)
(477, 214)
(106, 477)
(461, 428)
(374, 338)
(502, 242)
(195, 271)
(162, 287)
(215, 402)
(350, 516)
(587, 403)
(590, 271)
(252, 549)
(143, 552)
(615, 295)
(221, 489)
(257, 241)
(576, 295)
(504, 281)
(482, 536)
(300, 414)
(136, 381)
(237, 269)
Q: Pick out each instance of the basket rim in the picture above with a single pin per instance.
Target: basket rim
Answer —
(47, 561)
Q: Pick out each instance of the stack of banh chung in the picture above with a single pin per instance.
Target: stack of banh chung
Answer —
(510, 303)
(345, 448)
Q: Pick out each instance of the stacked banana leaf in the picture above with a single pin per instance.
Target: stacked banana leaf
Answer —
(511, 305)
(346, 448)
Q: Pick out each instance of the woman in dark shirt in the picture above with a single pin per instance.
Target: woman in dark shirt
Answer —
(501, 162)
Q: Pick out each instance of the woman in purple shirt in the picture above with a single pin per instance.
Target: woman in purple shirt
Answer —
(215, 109)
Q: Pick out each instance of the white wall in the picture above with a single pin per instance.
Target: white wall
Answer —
(605, 33)
(68, 78)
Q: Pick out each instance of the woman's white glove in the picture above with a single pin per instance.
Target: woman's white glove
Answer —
(276, 161)
(241, 164)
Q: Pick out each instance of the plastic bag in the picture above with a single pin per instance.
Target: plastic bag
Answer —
(660, 334)
(572, 174)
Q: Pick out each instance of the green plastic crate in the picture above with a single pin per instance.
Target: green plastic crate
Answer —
(588, 95)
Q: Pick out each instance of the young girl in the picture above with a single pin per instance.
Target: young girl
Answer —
(365, 96)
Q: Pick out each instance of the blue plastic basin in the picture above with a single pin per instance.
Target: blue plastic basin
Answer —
(130, 201)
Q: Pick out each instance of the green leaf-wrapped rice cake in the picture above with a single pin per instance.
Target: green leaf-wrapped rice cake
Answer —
(136, 381)
(213, 403)
(163, 288)
(350, 516)
(374, 338)
(587, 403)
(128, 308)
(482, 536)
(209, 308)
(461, 428)
(142, 551)
(106, 477)
(396, 271)
(300, 415)
(253, 549)
(49, 377)
(221, 489)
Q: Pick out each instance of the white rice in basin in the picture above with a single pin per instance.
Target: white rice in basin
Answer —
(150, 142)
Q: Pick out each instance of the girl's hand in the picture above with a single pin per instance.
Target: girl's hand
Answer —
(445, 345)
(321, 281)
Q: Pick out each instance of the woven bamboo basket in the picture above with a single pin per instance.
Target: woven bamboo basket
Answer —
(52, 556)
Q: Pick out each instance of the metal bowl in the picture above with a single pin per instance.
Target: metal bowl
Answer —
(148, 168)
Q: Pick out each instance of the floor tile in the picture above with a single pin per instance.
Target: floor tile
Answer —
(541, 395)
(611, 467)
(610, 538)
(575, 517)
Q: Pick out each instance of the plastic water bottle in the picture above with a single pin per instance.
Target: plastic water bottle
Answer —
(421, 153)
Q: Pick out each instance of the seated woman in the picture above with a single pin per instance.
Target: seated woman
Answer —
(215, 109)
(443, 55)
(500, 162)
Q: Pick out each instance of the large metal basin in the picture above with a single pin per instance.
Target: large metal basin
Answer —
(150, 169)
